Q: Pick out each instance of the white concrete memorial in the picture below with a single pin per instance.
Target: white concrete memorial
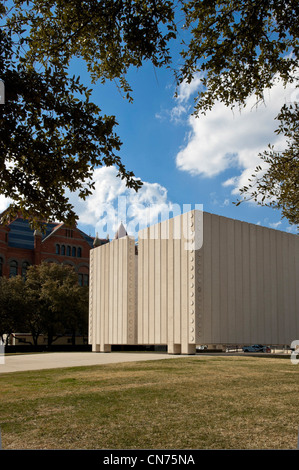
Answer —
(198, 278)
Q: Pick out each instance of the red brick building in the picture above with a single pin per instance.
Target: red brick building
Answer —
(20, 247)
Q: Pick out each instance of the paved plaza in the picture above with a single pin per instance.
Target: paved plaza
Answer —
(23, 362)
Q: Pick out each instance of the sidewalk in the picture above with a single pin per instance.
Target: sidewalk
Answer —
(23, 362)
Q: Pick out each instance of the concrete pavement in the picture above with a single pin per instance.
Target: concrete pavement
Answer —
(54, 360)
(25, 362)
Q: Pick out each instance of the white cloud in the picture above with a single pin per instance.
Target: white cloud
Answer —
(292, 229)
(177, 114)
(275, 224)
(214, 199)
(4, 203)
(112, 203)
(223, 139)
(186, 90)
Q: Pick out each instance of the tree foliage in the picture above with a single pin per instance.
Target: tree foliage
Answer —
(49, 301)
(52, 136)
(278, 186)
(13, 305)
(240, 48)
(109, 35)
(58, 302)
(50, 141)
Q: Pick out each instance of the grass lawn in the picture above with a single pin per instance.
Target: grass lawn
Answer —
(198, 402)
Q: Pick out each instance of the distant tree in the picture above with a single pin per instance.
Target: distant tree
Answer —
(57, 297)
(74, 308)
(13, 306)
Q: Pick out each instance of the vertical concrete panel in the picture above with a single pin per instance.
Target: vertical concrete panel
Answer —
(98, 297)
(273, 287)
(92, 299)
(101, 299)
(239, 281)
(119, 273)
(134, 333)
(166, 286)
(167, 260)
(104, 280)
(170, 289)
(223, 280)
(164, 278)
(215, 314)
(125, 289)
(141, 287)
(117, 277)
(296, 253)
(193, 234)
(130, 286)
(286, 285)
(268, 307)
(207, 279)
(107, 288)
(128, 278)
(292, 288)
(157, 279)
(246, 282)
(146, 312)
(193, 300)
(146, 287)
(114, 247)
(251, 276)
(260, 285)
(196, 280)
(151, 289)
(253, 282)
(231, 283)
(280, 289)
(193, 294)
(176, 234)
(183, 286)
(113, 294)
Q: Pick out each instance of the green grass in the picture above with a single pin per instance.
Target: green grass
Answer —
(200, 402)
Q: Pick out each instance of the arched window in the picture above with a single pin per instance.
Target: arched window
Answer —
(85, 280)
(68, 251)
(63, 250)
(79, 252)
(25, 266)
(13, 269)
(1, 266)
(57, 249)
(74, 251)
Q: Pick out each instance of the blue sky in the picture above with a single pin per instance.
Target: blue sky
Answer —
(183, 161)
